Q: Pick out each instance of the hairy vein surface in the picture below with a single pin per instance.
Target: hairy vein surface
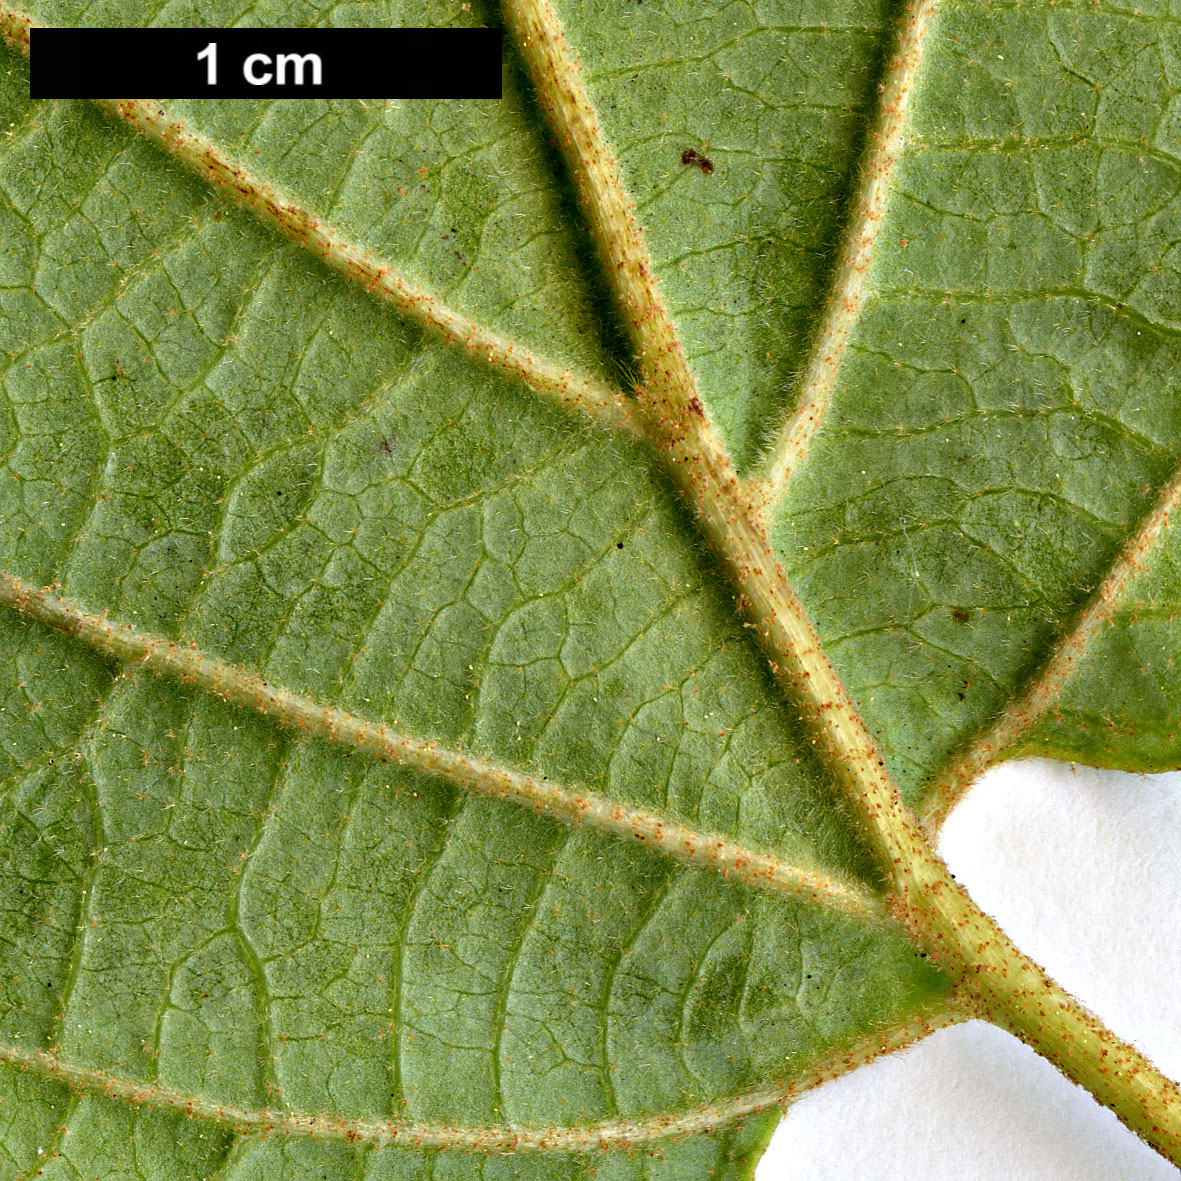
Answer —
(192, 666)
(204, 158)
(1005, 734)
(1005, 985)
(696, 458)
(606, 1135)
(850, 284)
(668, 393)
(1002, 984)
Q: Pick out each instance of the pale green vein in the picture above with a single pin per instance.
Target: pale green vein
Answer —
(672, 411)
(1003, 984)
(604, 1136)
(850, 284)
(191, 666)
(547, 378)
(1005, 734)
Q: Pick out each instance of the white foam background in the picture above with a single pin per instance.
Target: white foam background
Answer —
(1080, 867)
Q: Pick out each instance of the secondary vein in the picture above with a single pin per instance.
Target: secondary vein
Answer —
(850, 285)
(1003, 984)
(547, 378)
(676, 421)
(190, 665)
(618, 1134)
(1006, 733)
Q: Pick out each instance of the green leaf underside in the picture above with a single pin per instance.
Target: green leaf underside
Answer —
(208, 434)
(775, 95)
(1007, 411)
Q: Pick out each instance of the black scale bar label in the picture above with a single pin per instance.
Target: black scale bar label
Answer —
(265, 63)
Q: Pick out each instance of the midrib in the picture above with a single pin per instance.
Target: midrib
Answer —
(678, 427)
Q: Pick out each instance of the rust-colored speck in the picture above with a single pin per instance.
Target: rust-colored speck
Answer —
(691, 156)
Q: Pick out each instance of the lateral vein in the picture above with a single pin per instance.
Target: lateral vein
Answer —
(850, 285)
(189, 665)
(667, 395)
(1003, 983)
(1007, 731)
(676, 421)
(618, 1134)
(547, 378)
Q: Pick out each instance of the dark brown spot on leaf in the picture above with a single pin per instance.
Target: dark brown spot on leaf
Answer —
(690, 156)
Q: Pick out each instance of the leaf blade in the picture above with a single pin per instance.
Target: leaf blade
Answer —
(998, 466)
(312, 625)
(264, 589)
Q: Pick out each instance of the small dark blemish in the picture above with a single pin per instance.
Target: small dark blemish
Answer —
(690, 156)
(959, 615)
(964, 320)
(619, 545)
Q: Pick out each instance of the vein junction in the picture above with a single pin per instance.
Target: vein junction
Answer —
(190, 665)
(1003, 984)
(1004, 736)
(554, 382)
